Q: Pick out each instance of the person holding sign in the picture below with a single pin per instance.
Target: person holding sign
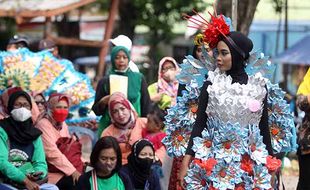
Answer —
(121, 79)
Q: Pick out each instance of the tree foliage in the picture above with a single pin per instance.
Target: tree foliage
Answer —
(278, 4)
(158, 15)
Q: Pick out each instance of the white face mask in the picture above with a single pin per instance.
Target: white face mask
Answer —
(21, 114)
(169, 75)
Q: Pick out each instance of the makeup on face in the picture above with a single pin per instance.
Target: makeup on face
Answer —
(120, 113)
(223, 57)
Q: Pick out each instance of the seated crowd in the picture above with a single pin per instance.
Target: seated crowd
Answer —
(38, 152)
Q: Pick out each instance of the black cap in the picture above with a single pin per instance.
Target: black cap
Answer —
(46, 44)
(19, 39)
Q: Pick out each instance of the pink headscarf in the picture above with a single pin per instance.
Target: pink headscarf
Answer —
(120, 98)
(55, 98)
(171, 89)
(50, 104)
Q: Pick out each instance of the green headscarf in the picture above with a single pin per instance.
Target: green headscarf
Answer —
(114, 52)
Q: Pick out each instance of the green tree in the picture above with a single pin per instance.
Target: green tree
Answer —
(160, 15)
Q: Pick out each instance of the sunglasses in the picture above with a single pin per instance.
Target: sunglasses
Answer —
(40, 102)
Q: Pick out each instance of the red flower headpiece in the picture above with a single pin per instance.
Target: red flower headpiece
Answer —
(215, 29)
(212, 30)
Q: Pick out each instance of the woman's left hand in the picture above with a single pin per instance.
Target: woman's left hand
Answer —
(35, 176)
(156, 97)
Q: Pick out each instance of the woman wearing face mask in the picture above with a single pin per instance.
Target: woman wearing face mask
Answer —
(139, 167)
(22, 158)
(230, 82)
(137, 92)
(164, 91)
(126, 126)
(4, 98)
(106, 159)
(53, 127)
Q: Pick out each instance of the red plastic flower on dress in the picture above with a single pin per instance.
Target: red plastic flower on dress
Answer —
(273, 164)
(212, 188)
(215, 29)
(208, 165)
(240, 186)
(247, 164)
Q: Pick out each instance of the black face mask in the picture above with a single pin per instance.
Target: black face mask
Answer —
(145, 163)
(140, 168)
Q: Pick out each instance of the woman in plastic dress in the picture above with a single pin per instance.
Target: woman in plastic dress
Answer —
(230, 141)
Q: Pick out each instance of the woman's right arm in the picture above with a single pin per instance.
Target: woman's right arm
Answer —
(199, 126)
(101, 97)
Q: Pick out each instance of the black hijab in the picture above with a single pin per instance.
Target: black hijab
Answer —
(240, 47)
(20, 132)
(140, 168)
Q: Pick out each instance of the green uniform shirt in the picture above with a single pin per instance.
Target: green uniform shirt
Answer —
(19, 174)
(112, 183)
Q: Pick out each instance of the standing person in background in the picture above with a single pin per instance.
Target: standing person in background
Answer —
(47, 44)
(197, 54)
(303, 153)
(139, 167)
(164, 91)
(137, 92)
(106, 159)
(17, 42)
(22, 157)
(122, 40)
(53, 128)
(197, 51)
(126, 126)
